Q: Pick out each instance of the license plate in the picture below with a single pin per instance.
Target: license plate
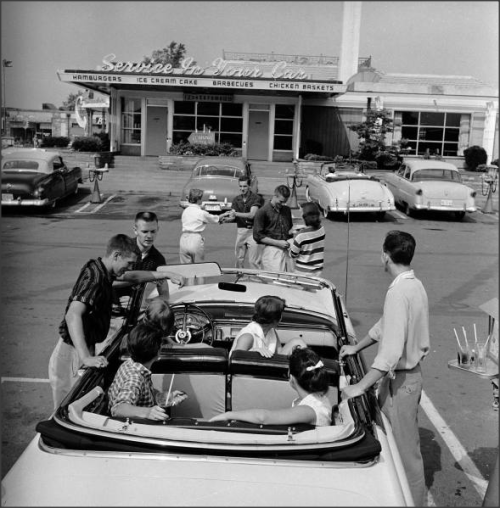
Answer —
(212, 208)
(7, 197)
(446, 202)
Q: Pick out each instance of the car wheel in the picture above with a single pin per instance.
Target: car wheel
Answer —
(308, 195)
(459, 215)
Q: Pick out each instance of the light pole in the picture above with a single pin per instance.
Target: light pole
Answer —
(5, 63)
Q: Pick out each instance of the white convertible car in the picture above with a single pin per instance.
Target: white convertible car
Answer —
(82, 456)
(347, 189)
(428, 184)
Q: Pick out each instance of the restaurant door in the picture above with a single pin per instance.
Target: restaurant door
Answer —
(156, 130)
(258, 135)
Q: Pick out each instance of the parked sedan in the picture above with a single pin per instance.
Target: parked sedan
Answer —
(82, 455)
(428, 184)
(218, 178)
(342, 189)
(33, 177)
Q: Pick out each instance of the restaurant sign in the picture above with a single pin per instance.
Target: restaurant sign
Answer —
(97, 78)
(203, 97)
(219, 68)
(202, 138)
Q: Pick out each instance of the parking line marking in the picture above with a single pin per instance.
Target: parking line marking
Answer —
(457, 450)
(24, 380)
(83, 207)
(97, 208)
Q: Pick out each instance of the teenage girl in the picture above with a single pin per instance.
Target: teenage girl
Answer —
(309, 378)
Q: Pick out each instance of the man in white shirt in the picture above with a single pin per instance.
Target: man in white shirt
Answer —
(194, 221)
(402, 334)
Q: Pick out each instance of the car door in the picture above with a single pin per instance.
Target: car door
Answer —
(69, 178)
(56, 187)
(395, 182)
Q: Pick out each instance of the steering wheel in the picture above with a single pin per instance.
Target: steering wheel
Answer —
(193, 323)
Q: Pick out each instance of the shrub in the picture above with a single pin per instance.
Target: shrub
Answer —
(54, 142)
(96, 143)
(217, 149)
(315, 157)
(474, 156)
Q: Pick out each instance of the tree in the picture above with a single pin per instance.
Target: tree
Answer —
(69, 103)
(372, 132)
(172, 54)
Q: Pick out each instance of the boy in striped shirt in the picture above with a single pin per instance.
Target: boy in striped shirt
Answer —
(307, 248)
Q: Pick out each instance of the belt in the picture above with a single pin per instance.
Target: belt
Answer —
(417, 367)
(191, 233)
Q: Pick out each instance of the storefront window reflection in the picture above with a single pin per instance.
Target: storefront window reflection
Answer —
(434, 131)
(283, 126)
(131, 121)
(225, 120)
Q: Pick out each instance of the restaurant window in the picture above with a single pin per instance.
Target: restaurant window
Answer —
(283, 126)
(225, 120)
(131, 121)
(427, 130)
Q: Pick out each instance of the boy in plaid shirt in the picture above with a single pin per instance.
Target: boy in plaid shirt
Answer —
(132, 393)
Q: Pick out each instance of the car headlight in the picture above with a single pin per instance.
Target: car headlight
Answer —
(38, 192)
(419, 192)
(473, 194)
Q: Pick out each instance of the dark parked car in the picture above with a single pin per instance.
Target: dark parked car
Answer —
(33, 177)
(218, 178)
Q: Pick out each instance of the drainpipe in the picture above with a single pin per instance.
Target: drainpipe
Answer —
(299, 121)
(489, 129)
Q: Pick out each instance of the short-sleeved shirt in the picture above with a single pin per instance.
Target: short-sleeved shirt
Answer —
(151, 261)
(272, 223)
(194, 219)
(243, 205)
(320, 405)
(93, 288)
(308, 249)
(132, 384)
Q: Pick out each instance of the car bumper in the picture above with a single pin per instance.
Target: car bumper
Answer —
(25, 202)
(210, 206)
(359, 209)
(440, 208)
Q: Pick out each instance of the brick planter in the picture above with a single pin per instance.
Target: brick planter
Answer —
(84, 159)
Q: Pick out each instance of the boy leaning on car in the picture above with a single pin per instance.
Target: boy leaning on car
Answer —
(403, 337)
(88, 312)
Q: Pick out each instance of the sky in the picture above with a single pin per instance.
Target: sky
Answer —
(425, 37)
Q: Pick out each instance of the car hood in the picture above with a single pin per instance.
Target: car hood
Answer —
(22, 180)
(437, 189)
(217, 186)
(359, 190)
(124, 479)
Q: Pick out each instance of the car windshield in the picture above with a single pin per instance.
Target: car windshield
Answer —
(436, 174)
(22, 165)
(228, 171)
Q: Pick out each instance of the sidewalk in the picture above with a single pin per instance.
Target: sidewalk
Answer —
(147, 179)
